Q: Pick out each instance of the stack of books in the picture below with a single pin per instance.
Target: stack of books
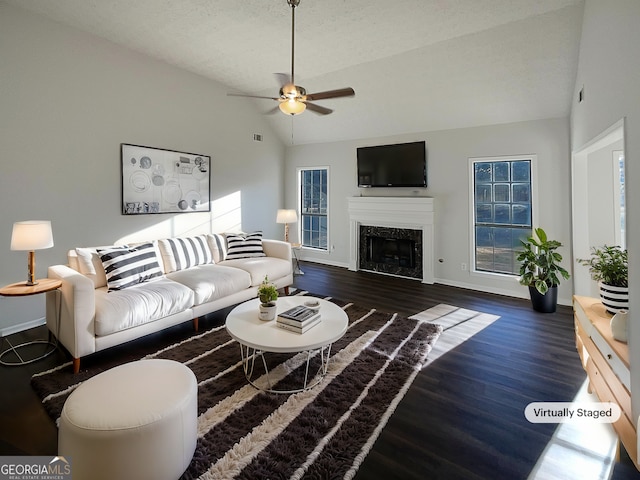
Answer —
(298, 319)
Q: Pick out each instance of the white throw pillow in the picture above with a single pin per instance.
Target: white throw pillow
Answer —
(218, 245)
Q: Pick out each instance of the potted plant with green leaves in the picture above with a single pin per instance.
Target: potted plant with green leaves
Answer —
(610, 268)
(540, 270)
(268, 294)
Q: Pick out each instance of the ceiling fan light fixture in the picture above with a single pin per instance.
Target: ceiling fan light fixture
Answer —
(289, 90)
(292, 107)
(293, 98)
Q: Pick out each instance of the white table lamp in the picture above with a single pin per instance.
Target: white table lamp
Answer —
(29, 236)
(286, 217)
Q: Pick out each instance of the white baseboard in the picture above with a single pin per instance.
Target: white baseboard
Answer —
(325, 262)
(11, 329)
(497, 291)
(450, 283)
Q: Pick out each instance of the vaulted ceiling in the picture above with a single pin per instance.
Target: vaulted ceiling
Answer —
(416, 65)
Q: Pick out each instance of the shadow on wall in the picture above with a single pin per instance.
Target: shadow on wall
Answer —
(225, 216)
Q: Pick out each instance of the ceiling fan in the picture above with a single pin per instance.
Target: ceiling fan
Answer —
(294, 99)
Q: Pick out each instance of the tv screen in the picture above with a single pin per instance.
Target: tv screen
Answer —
(399, 165)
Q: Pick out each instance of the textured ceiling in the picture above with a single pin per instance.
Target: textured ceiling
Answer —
(416, 65)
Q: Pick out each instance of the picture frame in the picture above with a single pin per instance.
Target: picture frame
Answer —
(156, 180)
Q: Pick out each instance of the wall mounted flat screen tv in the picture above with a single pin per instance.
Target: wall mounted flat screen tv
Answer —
(399, 165)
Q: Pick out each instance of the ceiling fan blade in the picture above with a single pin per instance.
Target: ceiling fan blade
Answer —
(250, 96)
(342, 92)
(318, 109)
(283, 78)
(273, 110)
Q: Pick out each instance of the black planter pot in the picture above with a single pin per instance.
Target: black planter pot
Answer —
(544, 303)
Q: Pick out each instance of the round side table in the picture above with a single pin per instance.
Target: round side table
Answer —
(20, 289)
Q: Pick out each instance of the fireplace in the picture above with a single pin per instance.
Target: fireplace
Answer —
(392, 235)
(397, 251)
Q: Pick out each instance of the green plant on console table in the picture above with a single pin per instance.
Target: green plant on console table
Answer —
(608, 265)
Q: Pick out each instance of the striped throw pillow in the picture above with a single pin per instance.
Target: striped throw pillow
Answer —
(181, 253)
(127, 266)
(218, 245)
(241, 246)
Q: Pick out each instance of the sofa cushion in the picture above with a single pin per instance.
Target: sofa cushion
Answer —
(128, 266)
(260, 267)
(181, 253)
(211, 282)
(90, 265)
(142, 303)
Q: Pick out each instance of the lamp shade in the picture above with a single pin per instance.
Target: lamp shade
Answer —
(292, 106)
(287, 216)
(31, 235)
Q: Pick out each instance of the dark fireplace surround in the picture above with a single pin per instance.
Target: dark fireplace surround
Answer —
(395, 251)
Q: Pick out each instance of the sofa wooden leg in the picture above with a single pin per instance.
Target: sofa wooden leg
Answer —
(195, 324)
(76, 365)
(286, 291)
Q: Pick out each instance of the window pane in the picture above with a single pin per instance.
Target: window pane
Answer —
(483, 193)
(521, 171)
(521, 214)
(501, 172)
(482, 172)
(484, 214)
(502, 206)
(521, 193)
(502, 213)
(484, 249)
(501, 192)
(314, 208)
(503, 258)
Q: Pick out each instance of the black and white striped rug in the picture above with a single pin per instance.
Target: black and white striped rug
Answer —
(324, 432)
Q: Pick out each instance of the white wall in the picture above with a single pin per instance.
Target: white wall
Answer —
(448, 154)
(609, 71)
(67, 101)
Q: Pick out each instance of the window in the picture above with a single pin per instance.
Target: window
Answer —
(313, 207)
(502, 212)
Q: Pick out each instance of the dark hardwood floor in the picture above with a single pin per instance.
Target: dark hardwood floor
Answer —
(463, 416)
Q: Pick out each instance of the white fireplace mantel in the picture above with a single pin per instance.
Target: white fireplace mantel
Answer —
(397, 212)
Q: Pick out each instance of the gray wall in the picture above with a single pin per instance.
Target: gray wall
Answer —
(448, 155)
(67, 101)
(609, 72)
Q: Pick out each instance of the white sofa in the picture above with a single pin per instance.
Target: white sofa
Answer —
(87, 315)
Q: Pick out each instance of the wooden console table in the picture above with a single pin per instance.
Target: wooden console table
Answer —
(606, 362)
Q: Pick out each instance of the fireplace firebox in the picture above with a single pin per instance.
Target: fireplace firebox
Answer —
(396, 251)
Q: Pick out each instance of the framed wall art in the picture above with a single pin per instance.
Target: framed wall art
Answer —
(164, 181)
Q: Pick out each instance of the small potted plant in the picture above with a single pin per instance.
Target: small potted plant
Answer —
(268, 294)
(540, 270)
(610, 268)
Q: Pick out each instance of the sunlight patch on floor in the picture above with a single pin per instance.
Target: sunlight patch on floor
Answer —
(466, 322)
(578, 450)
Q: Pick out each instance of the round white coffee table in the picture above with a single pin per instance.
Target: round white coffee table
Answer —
(257, 337)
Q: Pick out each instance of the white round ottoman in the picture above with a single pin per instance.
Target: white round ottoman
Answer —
(136, 421)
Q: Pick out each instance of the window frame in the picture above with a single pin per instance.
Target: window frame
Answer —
(299, 174)
(534, 205)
